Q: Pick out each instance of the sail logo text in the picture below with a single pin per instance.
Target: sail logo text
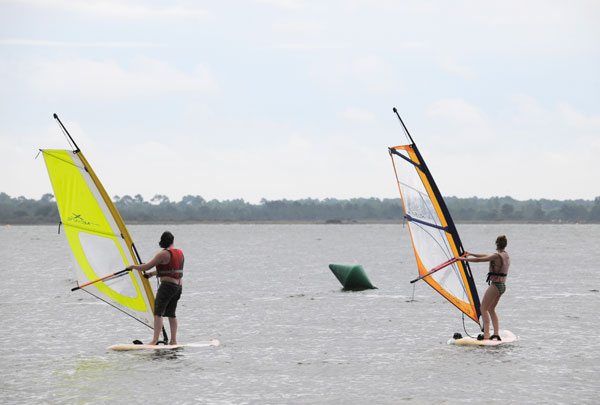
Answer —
(79, 219)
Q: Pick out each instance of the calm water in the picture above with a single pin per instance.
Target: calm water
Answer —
(290, 335)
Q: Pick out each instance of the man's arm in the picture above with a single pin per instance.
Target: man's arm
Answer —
(161, 257)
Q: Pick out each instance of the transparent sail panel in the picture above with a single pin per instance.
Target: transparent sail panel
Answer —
(104, 256)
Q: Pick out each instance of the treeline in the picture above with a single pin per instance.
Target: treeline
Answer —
(160, 209)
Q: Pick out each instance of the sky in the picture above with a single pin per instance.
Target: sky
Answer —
(293, 99)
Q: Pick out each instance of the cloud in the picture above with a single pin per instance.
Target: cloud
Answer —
(70, 44)
(375, 74)
(284, 4)
(527, 151)
(370, 74)
(476, 137)
(90, 79)
(296, 167)
(26, 173)
(357, 115)
(451, 65)
(300, 28)
(559, 125)
(457, 122)
(578, 120)
(300, 35)
(300, 164)
(121, 8)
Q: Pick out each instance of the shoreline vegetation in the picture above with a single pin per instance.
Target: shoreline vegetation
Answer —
(195, 209)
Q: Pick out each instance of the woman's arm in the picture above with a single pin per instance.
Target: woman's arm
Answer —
(474, 254)
(479, 257)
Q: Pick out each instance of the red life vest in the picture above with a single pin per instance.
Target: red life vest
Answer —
(174, 268)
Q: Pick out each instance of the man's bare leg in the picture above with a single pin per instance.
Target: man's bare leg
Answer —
(173, 326)
(158, 325)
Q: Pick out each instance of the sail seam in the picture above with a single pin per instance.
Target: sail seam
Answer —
(409, 160)
(89, 230)
(420, 221)
(62, 160)
(116, 307)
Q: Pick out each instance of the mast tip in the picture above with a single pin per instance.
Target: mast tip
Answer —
(393, 109)
(55, 116)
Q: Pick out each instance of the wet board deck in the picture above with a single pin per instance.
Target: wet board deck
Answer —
(131, 346)
(506, 336)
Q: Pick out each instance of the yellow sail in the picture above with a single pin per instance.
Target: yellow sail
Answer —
(97, 236)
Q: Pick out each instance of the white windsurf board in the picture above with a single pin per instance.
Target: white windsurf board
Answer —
(131, 346)
(506, 336)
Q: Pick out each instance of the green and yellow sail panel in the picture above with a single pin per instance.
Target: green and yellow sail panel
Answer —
(97, 236)
(433, 234)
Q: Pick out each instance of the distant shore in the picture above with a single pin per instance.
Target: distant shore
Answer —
(197, 210)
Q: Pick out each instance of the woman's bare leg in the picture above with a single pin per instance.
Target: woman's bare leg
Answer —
(490, 299)
(493, 315)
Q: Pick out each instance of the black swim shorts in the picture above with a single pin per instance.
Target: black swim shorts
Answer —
(167, 296)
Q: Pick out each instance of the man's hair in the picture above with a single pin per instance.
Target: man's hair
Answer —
(166, 240)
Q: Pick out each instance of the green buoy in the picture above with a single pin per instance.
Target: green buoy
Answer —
(351, 277)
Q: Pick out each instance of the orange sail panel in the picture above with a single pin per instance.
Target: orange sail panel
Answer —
(434, 237)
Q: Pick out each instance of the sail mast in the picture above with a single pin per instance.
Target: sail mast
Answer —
(66, 133)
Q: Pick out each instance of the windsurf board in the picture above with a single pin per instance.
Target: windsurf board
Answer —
(131, 346)
(506, 336)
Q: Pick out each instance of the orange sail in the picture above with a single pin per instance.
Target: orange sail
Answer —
(435, 240)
